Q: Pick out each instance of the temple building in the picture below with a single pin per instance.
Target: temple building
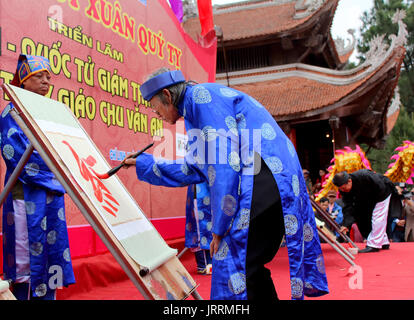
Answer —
(282, 53)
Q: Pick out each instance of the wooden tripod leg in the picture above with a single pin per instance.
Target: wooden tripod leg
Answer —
(351, 242)
(196, 295)
(332, 238)
(16, 173)
(331, 222)
(324, 237)
(182, 252)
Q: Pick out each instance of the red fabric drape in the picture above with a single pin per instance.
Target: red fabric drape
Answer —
(205, 12)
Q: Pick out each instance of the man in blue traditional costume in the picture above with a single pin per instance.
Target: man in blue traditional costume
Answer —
(198, 225)
(36, 255)
(257, 189)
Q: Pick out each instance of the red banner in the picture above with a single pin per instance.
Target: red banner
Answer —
(100, 51)
(205, 12)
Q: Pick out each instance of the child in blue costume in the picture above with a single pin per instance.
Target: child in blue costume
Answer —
(198, 226)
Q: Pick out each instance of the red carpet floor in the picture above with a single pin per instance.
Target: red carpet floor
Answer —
(385, 275)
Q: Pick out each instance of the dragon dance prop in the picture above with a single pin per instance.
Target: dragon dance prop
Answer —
(344, 160)
(401, 170)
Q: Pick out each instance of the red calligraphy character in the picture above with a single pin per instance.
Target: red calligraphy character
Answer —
(100, 190)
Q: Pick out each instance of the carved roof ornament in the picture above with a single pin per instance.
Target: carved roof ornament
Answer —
(401, 38)
(396, 102)
(305, 8)
(343, 49)
(378, 49)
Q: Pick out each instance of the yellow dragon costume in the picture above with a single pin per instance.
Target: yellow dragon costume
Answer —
(401, 170)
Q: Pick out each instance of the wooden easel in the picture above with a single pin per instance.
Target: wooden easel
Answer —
(325, 216)
(5, 293)
(330, 237)
(169, 280)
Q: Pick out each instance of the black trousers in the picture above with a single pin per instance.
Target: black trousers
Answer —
(266, 232)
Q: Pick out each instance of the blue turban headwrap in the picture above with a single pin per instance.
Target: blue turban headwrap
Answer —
(27, 66)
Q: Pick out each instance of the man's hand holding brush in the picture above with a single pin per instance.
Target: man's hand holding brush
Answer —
(129, 161)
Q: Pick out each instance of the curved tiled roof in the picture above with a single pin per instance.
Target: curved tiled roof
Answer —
(296, 94)
(264, 18)
(293, 90)
(272, 19)
(344, 58)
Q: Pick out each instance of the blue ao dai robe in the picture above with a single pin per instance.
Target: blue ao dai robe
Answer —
(50, 260)
(226, 128)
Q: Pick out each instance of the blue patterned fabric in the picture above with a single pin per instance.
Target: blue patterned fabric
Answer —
(226, 128)
(50, 260)
(198, 228)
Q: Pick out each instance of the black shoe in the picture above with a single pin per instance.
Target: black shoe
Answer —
(385, 247)
(368, 249)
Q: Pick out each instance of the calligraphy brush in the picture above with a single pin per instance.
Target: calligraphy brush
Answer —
(115, 169)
